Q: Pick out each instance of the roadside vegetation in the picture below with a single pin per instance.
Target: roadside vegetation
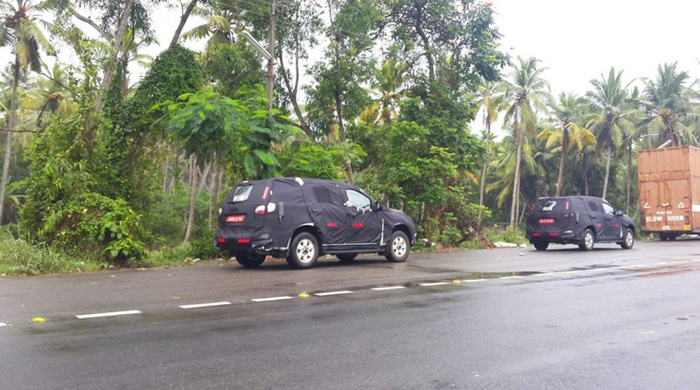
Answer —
(101, 168)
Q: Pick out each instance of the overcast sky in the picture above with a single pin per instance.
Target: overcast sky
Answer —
(576, 40)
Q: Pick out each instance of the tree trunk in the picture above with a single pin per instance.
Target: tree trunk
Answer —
(292, 91)
(116, 45)
(8, 142)
(183, 21)
(487, 161)
(215, 194)
(193, 197)
(564, 150)
(607, 173)
(629, 177)
(516, 176)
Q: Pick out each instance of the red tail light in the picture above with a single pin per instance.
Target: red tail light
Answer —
(554, 234)
(243, 240)
(567, 205)
(221, 240)
(260, 210)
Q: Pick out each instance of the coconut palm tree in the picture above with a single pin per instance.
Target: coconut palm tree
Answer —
(19, 29)
(490, 101)
(220, 17)
(525, 93)
(568, 130)
(614, 117)
(668, 105)
(50, 94)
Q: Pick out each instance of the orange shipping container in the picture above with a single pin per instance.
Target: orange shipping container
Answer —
(669, 190)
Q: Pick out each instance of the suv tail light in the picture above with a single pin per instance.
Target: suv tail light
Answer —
(260, 210)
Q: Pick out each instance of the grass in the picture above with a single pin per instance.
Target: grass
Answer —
(19, 257)
(167, 257)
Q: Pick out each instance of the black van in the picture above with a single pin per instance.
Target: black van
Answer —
(580, 220)
(301, 219)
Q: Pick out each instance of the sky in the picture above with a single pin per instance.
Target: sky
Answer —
(576, 40)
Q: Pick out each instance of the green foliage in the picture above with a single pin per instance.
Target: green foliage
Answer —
(306, 159)
(20, 257)
(167, 256)
(232, 66)
(237, 130)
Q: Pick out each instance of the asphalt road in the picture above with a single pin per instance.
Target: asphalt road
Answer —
(499, 319)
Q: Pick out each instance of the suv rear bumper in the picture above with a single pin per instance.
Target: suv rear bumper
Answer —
(565, 237)
(260, 244)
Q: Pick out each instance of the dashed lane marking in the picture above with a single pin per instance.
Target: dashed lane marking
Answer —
(200, 305)
(108, 314)
(326, 294)
(387, 288)
(511, 277)
(284, 298)
(432, 284)
(473, 280)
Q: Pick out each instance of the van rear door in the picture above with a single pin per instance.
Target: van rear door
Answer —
(245, 206)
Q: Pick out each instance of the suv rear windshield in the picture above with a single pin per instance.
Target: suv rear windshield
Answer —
(550, 204)
(241, 193)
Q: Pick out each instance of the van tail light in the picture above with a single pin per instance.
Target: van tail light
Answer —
(260, 209)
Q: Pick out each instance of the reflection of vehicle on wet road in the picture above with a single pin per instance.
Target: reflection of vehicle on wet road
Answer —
(579, 220)
(301, 219)
(669, 191)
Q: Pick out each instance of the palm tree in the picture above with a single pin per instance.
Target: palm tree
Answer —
(525, 93)
(568, 130)
(490, 101)
(19, 29)
(131, 45)
(50, 94)
(668, 106)
(219, 18)
(614, 117)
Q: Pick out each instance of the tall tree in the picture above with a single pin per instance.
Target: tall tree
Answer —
(613, 119)
(525, 93)
(19, 29)
(490, 101)
(568, 130)
(668, 105)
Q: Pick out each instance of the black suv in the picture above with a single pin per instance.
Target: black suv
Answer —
(301, 219)
(580, 220)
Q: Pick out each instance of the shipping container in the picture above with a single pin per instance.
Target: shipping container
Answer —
(669, 191)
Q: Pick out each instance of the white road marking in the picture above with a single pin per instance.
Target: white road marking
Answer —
(473, 280)
(272, 299)
(662, 263)
(2, 324)
(545, 274)
(432, 284)
(511, 277)
(387, 288)
(109, 314)
(326, 294)
(199, 305)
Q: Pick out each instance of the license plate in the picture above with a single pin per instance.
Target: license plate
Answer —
(235, 218)
(546, 220)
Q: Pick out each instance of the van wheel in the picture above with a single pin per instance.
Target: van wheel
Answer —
(588, 241)
(304, 251)
(346, 257)
(541, 246)
(398, 247)
(628, 239)
(249, 260)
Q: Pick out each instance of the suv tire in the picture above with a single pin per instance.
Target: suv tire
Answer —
(398, 247)
(541, 246)
(627, 239)
(304, 251)
(346, 257)
(588, 240)
(249, 260)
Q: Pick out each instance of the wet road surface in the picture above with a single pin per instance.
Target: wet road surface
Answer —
(499, 319)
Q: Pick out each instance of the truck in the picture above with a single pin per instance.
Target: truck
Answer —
(669, 191)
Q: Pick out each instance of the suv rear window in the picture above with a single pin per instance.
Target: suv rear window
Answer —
(241, 193)
(547, 204)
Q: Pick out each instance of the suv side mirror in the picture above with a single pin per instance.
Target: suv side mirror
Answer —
(376, 206)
